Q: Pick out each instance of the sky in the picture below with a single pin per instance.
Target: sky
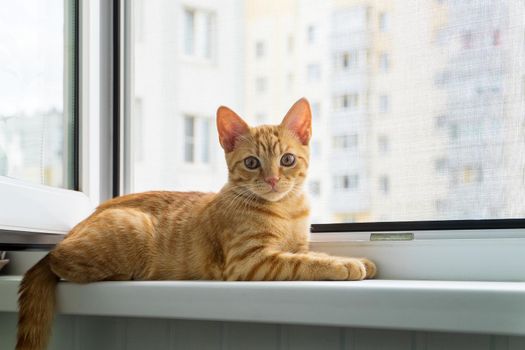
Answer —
(31, 55)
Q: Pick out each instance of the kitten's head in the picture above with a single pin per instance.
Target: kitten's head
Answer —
(269, 161)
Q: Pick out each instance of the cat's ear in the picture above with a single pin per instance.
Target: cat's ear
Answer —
(299, 120)
(230, 127)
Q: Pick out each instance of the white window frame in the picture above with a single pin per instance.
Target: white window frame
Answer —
(483, 254)
(27, 209)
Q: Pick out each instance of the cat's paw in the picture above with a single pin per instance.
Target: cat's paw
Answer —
(356, 269)
(371, 268)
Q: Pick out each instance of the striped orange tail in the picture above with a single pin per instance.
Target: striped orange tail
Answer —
(36, 304)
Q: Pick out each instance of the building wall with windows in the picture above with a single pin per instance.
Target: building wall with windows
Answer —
(191, 41)
(413, 103)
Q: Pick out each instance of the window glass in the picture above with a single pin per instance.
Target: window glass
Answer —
(414, 119)
(37, 95)
(189, 139)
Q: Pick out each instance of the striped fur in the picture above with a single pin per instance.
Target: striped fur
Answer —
(248, 231)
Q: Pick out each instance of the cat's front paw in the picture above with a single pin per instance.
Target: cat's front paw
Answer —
(371, 268)
(356, 269)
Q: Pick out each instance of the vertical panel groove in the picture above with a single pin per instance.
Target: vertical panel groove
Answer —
(224, 335)
(342, 338)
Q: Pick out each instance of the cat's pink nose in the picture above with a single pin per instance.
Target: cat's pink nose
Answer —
(271, 180)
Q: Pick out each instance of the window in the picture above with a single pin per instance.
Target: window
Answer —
(315, 187)
(197, 139)
(205, 141)
(346, 182)
(384, 184)
(347, 102)
(189, 139)
(290, 78)
(259, 49)
(198, 33)
(315, 149)
(164, 99)
(316, 110)
(384, 22)
(466, 39)
(37, 92)
(441, 121)
(347, 60)
(384, 62)
(310, 34)
(44, 185)
(345, 142)
(189, 33)
(314, 72)
(471, 174)
(383, 144)
(441, 165)
(465, 108)
(496, 37)
(384, 104)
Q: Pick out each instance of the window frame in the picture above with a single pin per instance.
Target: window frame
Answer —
(451, 237)
(102, 166)
(92, 160)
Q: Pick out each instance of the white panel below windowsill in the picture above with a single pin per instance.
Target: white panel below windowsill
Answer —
(484, 307)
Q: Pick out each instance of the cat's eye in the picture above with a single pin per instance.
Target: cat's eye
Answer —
(252, 162)
(288, 159)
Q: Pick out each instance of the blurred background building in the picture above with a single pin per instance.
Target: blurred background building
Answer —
(418, 106)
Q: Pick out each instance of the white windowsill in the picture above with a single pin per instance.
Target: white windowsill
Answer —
(486, 307)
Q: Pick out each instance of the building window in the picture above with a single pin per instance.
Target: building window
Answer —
(472, 174)
(313, 72)
(311, 34)
(440, 121)
(384, 63)
(383, 144)
(197, 139)
(316, 149)
(346, 182)
(290, 78)
(260, 85)
(205, 140)
(453, 132)
(198, 32)
(384, 184)
(189, 32)
(345, 142)
(441, 165)
(496, 37)
(384, 104)
(316, 110)
(466, 40)
(315, 187)
(260, 49)
(347, 102)
(441, 205)
(189, 139)
(384, 22)
(347, 60)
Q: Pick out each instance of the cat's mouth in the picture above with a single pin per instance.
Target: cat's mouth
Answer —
(274, 194)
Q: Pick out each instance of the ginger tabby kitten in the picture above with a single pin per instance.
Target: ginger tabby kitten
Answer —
(256, 228)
